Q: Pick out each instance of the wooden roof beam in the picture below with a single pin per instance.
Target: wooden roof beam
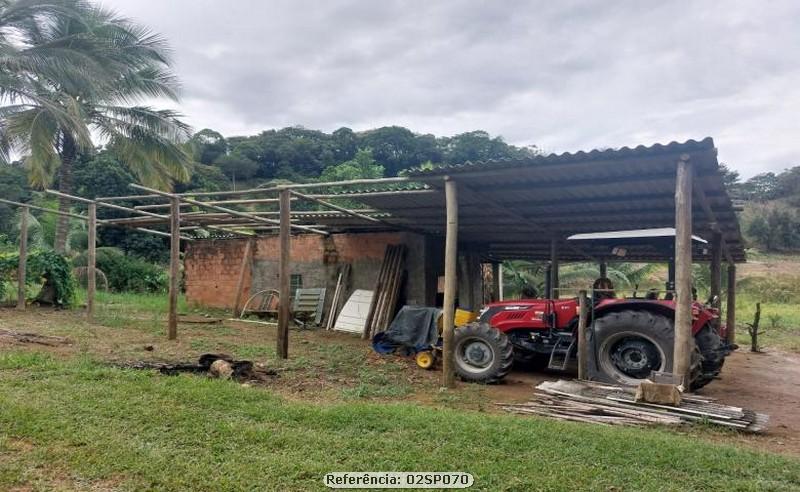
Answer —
(236, 213)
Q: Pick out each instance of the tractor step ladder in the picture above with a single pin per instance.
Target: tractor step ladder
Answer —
(559, 357)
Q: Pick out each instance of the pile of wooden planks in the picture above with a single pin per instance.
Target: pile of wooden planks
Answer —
(387, 289)
(338, 294)
(584, 401)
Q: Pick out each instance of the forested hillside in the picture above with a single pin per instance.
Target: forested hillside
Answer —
(770, 219)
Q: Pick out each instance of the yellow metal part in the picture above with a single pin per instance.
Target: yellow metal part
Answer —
(462, 317)
(425, 360)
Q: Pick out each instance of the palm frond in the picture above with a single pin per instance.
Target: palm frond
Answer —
(35, 132)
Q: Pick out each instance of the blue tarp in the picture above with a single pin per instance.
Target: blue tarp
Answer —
(412, 330)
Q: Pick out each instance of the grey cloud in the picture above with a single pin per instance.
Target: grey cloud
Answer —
(563, 75)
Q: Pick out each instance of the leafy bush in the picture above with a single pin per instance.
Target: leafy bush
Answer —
(44, 267)
(128, 273)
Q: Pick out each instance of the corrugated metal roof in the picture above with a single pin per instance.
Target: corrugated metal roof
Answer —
(513, 208)
(572, 157)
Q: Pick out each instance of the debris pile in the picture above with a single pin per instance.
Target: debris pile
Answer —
(215, 365)
(583, 401)
(21, 337)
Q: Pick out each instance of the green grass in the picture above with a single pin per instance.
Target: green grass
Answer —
(131, 302)
(77, 424)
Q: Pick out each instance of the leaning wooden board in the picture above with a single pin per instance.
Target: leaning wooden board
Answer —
(353, 316)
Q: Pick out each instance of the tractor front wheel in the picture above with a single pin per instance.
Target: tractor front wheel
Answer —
(482, 354)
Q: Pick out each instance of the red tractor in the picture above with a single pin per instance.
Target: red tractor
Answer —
(628, 338)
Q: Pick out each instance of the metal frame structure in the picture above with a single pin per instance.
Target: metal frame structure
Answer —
(500, 210)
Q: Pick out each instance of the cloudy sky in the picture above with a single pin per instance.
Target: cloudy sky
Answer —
(565, 75)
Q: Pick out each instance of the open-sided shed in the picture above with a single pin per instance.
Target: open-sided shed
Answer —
(511, 209)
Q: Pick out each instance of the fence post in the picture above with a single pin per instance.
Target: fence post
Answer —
(23, 258)
(91, 261)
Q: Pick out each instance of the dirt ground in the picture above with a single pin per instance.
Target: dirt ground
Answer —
(765, 382)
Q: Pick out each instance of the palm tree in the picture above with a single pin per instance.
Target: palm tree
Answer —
(75, 70)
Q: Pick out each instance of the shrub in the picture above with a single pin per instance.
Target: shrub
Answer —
(44, 267)
(129, 273)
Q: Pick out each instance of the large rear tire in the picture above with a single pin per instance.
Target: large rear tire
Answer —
(632, 344)
(712, 353)
(482, 354)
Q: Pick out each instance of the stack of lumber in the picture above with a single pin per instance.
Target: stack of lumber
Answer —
(584, 401)
(338, 295)
(387, 289)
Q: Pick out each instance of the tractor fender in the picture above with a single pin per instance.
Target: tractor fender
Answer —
(699, 319)
(635, 305)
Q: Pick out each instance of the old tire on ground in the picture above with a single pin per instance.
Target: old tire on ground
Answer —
(631, 344)
(482, 354)
(710, 346)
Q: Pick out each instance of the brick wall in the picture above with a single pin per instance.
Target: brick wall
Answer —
(212, 267)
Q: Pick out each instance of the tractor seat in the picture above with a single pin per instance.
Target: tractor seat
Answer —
(603, 288)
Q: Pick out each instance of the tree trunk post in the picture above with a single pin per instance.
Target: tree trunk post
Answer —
(716, 273)
(753, 329)
(284, 273)
(583, 343)
(683, 271)
(495, 282)
(730, 314)
(68, 153)
(450, 266)
(91, 261)
(23, 257)
(554, 286)
(174, 265)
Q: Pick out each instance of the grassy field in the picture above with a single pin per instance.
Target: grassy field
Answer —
(72, 420)
(77, 425)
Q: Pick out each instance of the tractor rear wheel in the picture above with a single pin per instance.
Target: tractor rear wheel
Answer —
(632, 344)
(710, 346)
(482, 354)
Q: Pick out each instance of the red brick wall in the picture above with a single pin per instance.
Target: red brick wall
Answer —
(211, 271)
(212, 267)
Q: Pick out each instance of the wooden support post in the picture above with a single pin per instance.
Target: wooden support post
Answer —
(730, 315)
(247, 261)
(554, 269)
(583, 344)
(91, 261)
(495, 282)
(23, 257)
(684, 342)
(548, 286)
(284, 272)
(450, 267)
(501, 290)
(174, 265)
(671, 275)
(716, 272)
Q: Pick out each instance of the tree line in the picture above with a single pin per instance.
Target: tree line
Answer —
(770, 219)
(301, 154)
